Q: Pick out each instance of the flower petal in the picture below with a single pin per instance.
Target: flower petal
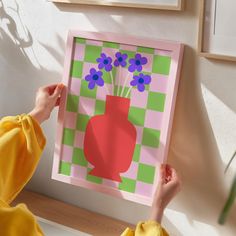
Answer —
(92, 71)
(141, 87)
(116, 63)
(91, 84)
(124, 56)
(133, 82)
(109, 60)
(99, 73)
(131, 68)
(123, 63)
(100, 66)
(88, 77)
(103, 55)
(147, 79)
(132, 61)
(108, 67)
(139, 68)
(118, 54)
(138, 56)
(100, 82)
(136, 77)
(143, 60)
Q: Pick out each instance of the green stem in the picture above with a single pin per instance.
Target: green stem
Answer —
(229, 203)
(230, 161)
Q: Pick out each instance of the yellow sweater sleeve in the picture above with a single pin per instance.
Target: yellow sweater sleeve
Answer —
(21, 145)
(148, 228)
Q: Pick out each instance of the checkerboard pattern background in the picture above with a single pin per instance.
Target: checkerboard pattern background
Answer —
(145, 113)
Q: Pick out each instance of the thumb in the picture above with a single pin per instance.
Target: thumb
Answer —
(57, 91)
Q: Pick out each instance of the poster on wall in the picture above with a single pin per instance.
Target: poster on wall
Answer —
(215, 40)
(152, 4)
(116, 113)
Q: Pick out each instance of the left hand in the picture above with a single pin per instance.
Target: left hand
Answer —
(46, 99)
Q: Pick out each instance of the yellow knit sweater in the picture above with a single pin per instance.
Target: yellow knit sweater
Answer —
(21, 145)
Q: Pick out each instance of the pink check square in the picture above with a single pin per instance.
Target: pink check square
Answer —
(79, 52)
(67, 152)
(86, 106)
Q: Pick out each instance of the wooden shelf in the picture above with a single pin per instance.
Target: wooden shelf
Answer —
(70, 216)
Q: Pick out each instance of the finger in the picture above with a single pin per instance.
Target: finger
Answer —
(49, 88)
(173, 173)
(174, 184)
(58, 102)
(162, 174)
(57, 91)
(174, 179)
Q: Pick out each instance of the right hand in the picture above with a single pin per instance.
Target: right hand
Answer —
(169, 185)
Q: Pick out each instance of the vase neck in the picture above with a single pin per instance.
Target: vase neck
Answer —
(117, 106)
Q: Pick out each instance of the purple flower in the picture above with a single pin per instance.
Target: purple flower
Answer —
(104, 62)
(94, 78)
(120, 59)
(140, 81)
(137, 62)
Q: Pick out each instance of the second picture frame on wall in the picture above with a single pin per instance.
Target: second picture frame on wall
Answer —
(217, 36)
(176, 5)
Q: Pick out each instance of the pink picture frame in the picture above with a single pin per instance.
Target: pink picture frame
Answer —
(66, 167)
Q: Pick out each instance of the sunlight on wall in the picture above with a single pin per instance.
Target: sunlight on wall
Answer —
(224, 130)
(182, 224)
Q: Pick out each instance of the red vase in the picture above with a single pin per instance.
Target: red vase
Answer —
(110, 140)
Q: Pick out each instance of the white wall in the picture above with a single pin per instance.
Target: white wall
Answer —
(204, 130)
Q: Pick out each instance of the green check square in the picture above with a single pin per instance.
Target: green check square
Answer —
(124, 91)
(151, 137)
(68, 136)
(65, 168)
(85, 91)
(93, 179)
(78, 157)
(100, 107)
(76, 69)
(82, 121)
(72, 103)
(111, 45)
(161, 64)
(137, 116)
(156, 101)
(146, 173)
(107, 76)
(137, 151)
(127, 185)
(80, 40)
(92, 53)
(146, 50)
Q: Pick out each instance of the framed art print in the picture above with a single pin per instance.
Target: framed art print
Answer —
(152, 4)
(215, 40)
(116, 113)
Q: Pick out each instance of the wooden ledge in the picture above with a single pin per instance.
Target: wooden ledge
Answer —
(71, 216)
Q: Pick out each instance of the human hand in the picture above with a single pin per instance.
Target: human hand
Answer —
(46, 99)
(169, 185)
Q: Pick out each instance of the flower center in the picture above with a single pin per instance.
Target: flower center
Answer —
(141, 80)
(105, 61)
(137, 62)
(120, 59)
(95, 77)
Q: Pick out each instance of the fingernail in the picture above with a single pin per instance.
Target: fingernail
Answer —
(61, 86)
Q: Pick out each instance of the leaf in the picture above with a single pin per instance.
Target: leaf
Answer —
(229, 203)
(228, 165)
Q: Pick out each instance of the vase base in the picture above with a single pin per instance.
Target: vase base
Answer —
(103, 174)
